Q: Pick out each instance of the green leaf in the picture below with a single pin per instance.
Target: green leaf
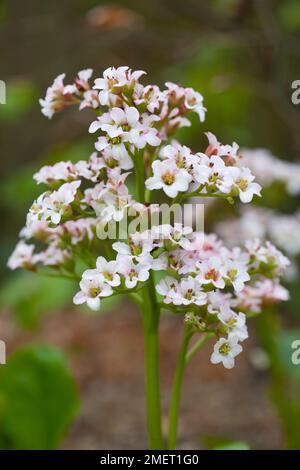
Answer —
(38, 399)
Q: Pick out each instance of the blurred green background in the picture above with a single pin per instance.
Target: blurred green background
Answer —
(243, 56)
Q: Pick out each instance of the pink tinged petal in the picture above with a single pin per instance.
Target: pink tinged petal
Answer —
(55, 218)
(101, 263)
(130, 284)
(104, 98)
(153, 183)
(94, 126)
(79, 298)
(143, 275)
(137, 74)
(112, 131)
(153, 139)
(99, 83)
(228, 362)
(246, 196)
(182, 184)
(106, 291)
(118, 115)
(116, 281)
(236, 350)
(170, 191)
(93, 303)
(132, 116)
(89, 274)
(215, 358)
(101, 144)
(121, 248)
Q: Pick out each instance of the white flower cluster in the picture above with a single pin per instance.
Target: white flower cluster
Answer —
(206, 281)
(268, 169)
(211, 173)
(213, 286)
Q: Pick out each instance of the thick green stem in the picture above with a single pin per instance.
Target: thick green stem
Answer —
(151, 314)
(140, 176)
(176, 390)
(185, 356)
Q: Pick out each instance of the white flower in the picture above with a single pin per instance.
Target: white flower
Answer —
(114, 79)
(189, 292)
(225, 351)
(79, 229)
(64, 171)
(265, 291)
(59, 201)
(137, 248)
(92, 289)
(181, 100)
(228, 152)
(90, 100)
(236, 323)
(267, 254)
(117, 202)
(211, 271)
(150, 95)
(181, 155)
(38, 229)
(82, 79)
(53, 256)
(117, 156)
(143, 133)
(218, 301)
(116, 123)
(108, 270)
(236, 273)
(240, 180)
(216, 170)
(167, 176)
(53, 205)
(133, 273)
(177, 234)
(22, 256)
(194, 101)
(57, 96)
(167, 287)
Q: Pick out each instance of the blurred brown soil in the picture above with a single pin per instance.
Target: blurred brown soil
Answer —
(106, 357)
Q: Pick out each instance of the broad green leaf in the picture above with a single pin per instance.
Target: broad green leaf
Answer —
(38, 399)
